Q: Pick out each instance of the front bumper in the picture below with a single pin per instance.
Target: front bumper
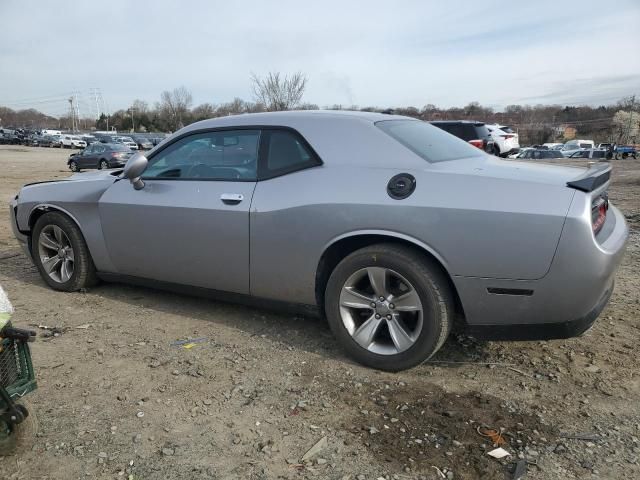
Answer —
(23, 239)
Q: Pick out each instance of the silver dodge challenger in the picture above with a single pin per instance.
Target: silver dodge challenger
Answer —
(393, 229)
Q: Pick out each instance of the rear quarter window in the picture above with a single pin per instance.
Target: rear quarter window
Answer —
(428, 141)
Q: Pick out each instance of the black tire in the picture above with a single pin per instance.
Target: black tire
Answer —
(496, 151)
(22, 435)
(103, 164)
(432, 287)
(84, 271)
(73, 166)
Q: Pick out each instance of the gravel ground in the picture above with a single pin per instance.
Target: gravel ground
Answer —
(117, 400)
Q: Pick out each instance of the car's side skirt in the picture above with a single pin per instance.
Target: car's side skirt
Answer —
(227, 297)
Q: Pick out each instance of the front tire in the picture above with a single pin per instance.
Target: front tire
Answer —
(389, 306)
(73, 166)
(61, 254)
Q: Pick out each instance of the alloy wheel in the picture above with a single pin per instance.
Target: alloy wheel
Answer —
(381, 310)
(56, 253)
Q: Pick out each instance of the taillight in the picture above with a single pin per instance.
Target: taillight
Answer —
(599, 213)
(477, 143)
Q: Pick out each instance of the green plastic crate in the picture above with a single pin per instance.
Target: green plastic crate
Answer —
(16, 369)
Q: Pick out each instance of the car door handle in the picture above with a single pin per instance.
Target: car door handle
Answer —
(231, 198)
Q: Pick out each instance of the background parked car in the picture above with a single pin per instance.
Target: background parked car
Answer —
(505, 138)
(128, 141)
(48, 141)
(573, 146)
(72, 141)
(10, 139)
(599, 154)
(89, 139)
(476, 133)
(31, 141)
(540, 153)
(143, 142)
(100, 156)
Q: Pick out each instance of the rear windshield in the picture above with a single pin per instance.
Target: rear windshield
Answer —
(507, 129)
(427, 141)
(585, 145)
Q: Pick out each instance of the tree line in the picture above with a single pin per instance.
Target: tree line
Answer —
(617, 122)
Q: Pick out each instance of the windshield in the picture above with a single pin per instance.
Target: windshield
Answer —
(427, 141)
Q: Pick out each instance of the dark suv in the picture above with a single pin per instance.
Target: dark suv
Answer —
(476, 133)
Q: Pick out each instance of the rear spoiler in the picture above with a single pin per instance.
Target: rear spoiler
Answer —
(593, 178)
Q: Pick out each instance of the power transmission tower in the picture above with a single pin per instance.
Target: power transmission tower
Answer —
(72, 114)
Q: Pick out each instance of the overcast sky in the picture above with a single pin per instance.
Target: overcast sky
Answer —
(367, 53)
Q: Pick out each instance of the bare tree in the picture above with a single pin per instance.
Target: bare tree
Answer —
(278, 92)
(174, 105)
(203, 112)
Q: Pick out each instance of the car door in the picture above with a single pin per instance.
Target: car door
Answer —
(84, 157)
(190, 223)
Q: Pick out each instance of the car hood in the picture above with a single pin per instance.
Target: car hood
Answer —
(111, 175)
(493, 167)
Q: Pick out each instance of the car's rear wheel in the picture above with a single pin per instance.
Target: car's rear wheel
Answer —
(61, 254)
(73, 166)
(390, 307)
(103, 165)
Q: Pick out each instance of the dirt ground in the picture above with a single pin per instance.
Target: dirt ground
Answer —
(116, 399)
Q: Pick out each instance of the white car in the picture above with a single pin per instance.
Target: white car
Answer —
(505, 139)
(128, 141)
(71, 141)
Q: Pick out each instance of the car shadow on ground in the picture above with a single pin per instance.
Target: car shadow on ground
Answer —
(304, 332)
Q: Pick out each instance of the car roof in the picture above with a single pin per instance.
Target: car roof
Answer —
(473, 122)
(291, 118)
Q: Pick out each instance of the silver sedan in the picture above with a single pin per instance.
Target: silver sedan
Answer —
(391, 228)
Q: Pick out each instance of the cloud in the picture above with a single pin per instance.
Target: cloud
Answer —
(366, 52)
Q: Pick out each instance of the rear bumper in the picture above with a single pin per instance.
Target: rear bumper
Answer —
(563, 303)
(542, 331)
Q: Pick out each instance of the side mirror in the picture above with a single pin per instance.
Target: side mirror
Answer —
(133, 170)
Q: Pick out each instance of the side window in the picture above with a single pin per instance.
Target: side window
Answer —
(98, 149)
(286, 152)
(218, 155)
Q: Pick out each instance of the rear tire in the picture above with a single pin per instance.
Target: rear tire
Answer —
(81, 271)
(103, 165)
(404, 266)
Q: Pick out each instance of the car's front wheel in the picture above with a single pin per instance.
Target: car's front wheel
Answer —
(73, 166)
(61, 253)
(389, 306)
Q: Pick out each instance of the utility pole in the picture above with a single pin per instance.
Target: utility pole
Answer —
(628, 136)
(133, 126)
